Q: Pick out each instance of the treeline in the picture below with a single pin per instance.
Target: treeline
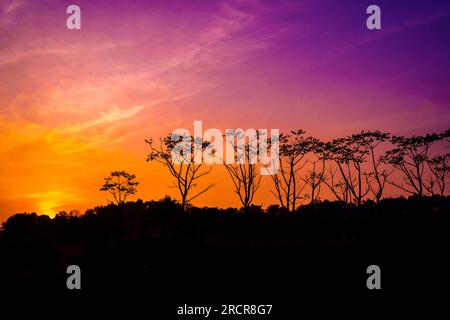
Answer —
(353, 169)
(325, 221)
(156, 244)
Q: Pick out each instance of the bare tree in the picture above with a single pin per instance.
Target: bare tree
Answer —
(439, 167)
(120, 184)
(244, 171)
(316, 175)
(293, 148)
(183, 167)
(349, 155)
(377, 175)
(410, 156)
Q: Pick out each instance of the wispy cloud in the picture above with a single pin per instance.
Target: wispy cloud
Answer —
(112, 115)
(8, 8)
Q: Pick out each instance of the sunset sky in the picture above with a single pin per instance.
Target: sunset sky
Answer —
(78, 104)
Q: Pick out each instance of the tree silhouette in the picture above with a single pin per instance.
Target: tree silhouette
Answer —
(293, 148)
(316, 175)
(243, 172)
(439, 167)
(120, 184)
(377, 176)
(410, 156)
(349, 154)
(183, 167)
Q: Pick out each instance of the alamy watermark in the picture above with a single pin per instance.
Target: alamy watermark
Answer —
(236, 146)
(73, 22)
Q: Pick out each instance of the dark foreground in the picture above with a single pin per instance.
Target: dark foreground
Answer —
(150, 256)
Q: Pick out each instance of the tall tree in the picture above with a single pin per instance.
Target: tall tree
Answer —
(440, 168)
(244, 170)
(181, 164)
(410, 156)
(287, 183)
(349, 155)
(316, 175)
(377, 174)
(120, 184)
